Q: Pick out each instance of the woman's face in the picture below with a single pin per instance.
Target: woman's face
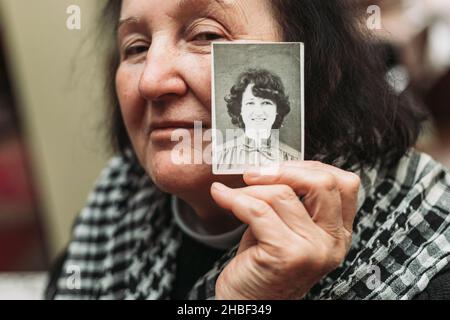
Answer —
(164, 78)
(258, 114)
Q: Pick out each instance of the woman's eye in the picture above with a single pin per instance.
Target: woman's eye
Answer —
(207, 37)
(267, 103)
(135, 50)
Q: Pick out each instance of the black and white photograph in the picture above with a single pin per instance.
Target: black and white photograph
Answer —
(258, 105)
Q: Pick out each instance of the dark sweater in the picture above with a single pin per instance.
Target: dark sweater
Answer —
(194, 259)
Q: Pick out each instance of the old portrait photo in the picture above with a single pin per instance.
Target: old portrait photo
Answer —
(257, 105)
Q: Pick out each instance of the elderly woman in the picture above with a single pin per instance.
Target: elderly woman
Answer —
(365, 218)
(257, 104)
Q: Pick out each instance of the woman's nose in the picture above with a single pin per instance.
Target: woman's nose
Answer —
(258, 110)
(162, 76)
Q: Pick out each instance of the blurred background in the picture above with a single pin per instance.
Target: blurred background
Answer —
(51, 136)
(52, 107)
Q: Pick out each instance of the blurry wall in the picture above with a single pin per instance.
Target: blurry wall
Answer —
(56, 74)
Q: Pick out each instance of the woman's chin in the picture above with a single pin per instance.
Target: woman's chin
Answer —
(176, 178)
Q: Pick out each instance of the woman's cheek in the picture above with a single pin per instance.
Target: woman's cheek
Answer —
(199, 77)
(131, 105)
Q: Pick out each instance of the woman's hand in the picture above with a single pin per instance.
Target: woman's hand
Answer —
(290, 244)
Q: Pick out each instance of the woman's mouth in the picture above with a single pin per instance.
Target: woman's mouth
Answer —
(170, 133)
(259, 120)
(173, 130)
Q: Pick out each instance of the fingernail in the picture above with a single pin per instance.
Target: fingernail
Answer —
(253, 172)
(219, 186)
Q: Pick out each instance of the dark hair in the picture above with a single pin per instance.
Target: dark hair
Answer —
(350, 109)
(267, 85)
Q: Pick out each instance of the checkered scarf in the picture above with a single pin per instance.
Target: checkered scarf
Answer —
(125, 241)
